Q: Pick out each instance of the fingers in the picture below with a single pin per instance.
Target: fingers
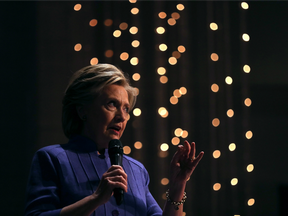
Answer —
(115, 177)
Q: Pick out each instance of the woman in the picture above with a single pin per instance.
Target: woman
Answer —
(77, 178)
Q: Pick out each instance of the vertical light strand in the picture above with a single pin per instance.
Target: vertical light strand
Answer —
(160, 100)
(212, 108)
(232, 169)
(245, 110)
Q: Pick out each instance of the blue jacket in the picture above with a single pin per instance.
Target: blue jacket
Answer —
(63, 174)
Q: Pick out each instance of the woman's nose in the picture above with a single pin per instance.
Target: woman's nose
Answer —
(121, 115)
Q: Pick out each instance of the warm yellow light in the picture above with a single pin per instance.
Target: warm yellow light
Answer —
(164, 181)
(108, 22)
(228, 80)
(163, 47)
(94, 61)
(246, 68)
(138, 145)
(133, 30)
(245, 37)
(216, 154)
(134, 61)
(124, 56)
(173, 100)
(172, 60)
(177, 93)
(134, 11)
(171, 21)
(136, 76)
(164, 147)
(216, 186)
(117, 33)
(180, 7)
(230, 113)
(163, 79)
(109, 53)
(178, 132)
(184, 134)
(175, 141)
(162, 15)
(161, 70)
(249, 134)
(251, 202)
(77, 7)
(160, 30)
(244, 5)
(126, 150)
(162, 111)
(234, 181)
(214, 87)
(78, 47)
(135, 43)
(123, 26)
(93, 22)
(137, 112)
(214, 57)
(215, 122)
(247, 102)
(176, 54)
(181, 49)
(175, 15)
(213, 26)
(232, 146)
(132, 1)
(183, 90)
(250, 168)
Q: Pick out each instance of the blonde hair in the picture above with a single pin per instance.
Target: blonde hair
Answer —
(85, 85)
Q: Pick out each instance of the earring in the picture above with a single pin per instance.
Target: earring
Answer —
(84, 118)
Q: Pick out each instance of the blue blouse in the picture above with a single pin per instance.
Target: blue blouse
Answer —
(63, 174)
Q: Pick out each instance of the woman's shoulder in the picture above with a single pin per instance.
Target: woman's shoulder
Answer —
(134, 162)
(51, 150)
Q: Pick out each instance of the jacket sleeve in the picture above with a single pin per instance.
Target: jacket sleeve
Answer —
(42, 194)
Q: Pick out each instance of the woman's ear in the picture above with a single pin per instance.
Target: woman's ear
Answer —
(81, 112)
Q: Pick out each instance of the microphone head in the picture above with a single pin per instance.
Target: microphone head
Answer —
(115, 147)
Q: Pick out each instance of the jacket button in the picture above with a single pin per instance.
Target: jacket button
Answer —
(115, 213)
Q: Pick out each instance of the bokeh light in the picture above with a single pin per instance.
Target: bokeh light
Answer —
(172, 60)
(93, 22)
(163, 47)
(134, 61)
(164, 181)
(216, 186)
(109, 53)
(162, 111)
(251, 202)
(163, 79)
(183, 90)
(213, 26)
(214, 87)
(136, 76)
(247, 102)
(108, 22)
(232, 146)
(229, 80)
(175, 141)
(215, 122)
(216, 154)
(133, 30)
(246, 68)
(126, 150)
(94, 61)
(173, 100)
(137, 112)
(234, 181)
(178, 132)
(244, 5)
(124, 56)
(184, 134)
(171, 21)
(117, 33)
(180, 7)
(176, 54)
(175, 15)
(245, 37)
(135, 43)
(162, 15)
(78, 47)
(77, 7)
(138, 145)
(160, 30)
(123, 26)
(164, 147)
(177, 93)
(132, 1)
(161, 70)
(230, 113)
(249, 134)
(250, 168)
(134, 11)
(181, 49)
(214, 57)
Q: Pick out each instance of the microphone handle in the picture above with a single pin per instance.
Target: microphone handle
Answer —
(118, 194)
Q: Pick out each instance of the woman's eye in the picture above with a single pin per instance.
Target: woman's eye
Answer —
(111, 104)
(126, 109)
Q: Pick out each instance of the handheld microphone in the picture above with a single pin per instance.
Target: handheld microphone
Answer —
(115, 151)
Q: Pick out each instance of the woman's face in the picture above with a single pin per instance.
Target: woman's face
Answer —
(107, 116)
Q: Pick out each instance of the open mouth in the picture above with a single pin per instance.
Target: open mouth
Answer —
(115, 128)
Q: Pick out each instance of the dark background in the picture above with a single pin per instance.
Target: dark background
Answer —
(25, 105)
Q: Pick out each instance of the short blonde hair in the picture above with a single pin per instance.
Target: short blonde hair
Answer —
(85, 85)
